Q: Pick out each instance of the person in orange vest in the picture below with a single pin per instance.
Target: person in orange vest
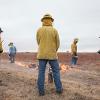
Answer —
(74, 52)
(48, 44)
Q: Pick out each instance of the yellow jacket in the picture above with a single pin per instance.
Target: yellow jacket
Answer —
(74, 49)
(48, 42)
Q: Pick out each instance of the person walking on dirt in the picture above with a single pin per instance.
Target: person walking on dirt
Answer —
(74, 52)
(12, 52)
(48, 42)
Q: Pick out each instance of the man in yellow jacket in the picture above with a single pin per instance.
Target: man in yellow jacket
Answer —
(48, 44)
(74, 52)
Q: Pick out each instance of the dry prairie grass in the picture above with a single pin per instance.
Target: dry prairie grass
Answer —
(19, 83)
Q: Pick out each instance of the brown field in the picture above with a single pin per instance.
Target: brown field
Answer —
(18, 81)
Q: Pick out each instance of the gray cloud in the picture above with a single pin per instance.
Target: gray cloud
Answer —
(20, 20)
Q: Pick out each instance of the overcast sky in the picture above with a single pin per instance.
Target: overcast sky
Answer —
(20, 19)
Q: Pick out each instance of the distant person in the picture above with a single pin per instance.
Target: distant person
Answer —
(74, 52)
(12, 52)
(1, 48)
(98, 51)
(48, 42)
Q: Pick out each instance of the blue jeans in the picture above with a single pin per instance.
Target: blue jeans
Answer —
(74, 60)
(56, 74)
(12, 57)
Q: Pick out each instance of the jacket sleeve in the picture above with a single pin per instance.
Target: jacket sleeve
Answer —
(57, 40)
(1, 45)
(15, 50)
(38, 37)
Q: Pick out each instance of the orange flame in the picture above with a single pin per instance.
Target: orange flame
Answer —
(65, 68)
(20, 64)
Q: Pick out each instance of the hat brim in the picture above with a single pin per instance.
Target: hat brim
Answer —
(76, 40)
(47, 18)
(10, 44)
